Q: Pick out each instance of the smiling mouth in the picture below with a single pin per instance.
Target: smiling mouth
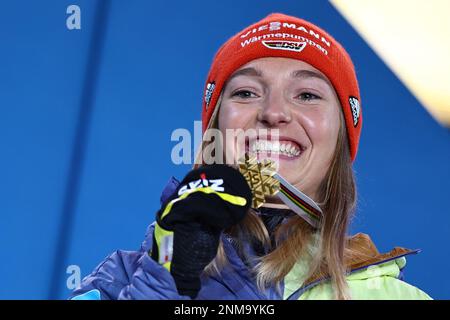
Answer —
(285, 149)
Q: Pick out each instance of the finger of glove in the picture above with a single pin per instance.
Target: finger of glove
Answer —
(233, 179)
(219, 177)
(209, 209)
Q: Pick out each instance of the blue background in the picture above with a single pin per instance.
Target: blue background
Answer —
(86, 118)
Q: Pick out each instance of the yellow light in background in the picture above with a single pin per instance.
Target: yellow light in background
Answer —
(413, 39)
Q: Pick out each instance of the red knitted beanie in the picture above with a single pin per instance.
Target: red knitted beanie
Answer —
(279, 35)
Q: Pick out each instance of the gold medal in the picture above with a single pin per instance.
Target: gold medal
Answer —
(264, 181)
(259, 176)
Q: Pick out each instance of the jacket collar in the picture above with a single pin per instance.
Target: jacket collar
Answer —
(363, 254)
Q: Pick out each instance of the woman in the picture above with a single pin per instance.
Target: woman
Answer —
(288, 76)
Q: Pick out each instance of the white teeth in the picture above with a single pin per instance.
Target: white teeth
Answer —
(289, 148)
(275, 147)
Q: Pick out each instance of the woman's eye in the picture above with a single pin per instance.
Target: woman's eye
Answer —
(244, 94)
(308, 96)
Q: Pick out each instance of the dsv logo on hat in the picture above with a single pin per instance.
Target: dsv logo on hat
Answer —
(284, 45)
(215, 184)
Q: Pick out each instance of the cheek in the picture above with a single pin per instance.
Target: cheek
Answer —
(322, 127)
(235, 116)
(232, 117)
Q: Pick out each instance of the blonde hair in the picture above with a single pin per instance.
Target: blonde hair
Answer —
(324, 251)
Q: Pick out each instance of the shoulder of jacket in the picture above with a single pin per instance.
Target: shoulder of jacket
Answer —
(363, 259)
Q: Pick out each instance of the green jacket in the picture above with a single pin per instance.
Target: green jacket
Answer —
(372, 276)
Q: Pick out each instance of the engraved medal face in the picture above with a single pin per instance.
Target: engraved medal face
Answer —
(259, 176)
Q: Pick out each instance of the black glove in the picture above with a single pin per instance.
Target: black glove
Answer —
(188, 226)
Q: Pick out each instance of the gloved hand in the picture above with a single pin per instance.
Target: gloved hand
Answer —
(188, 226)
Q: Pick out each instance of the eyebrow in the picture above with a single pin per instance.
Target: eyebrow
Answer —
(309, 74)
(252, 72)
(304, 74)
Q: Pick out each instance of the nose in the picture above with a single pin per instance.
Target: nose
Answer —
(274, 111)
